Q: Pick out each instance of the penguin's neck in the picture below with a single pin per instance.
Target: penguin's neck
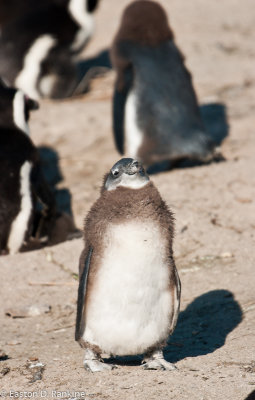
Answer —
(133, 202)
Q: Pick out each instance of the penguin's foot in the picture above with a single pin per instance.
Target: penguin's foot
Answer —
(93, 363)
(159, 364)
(97, 366)
(156, 361)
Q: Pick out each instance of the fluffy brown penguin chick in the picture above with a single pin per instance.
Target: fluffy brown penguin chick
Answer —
(129, 289)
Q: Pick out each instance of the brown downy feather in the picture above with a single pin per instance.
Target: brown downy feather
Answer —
(122, 205)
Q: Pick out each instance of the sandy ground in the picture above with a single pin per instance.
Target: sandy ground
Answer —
(213, 345)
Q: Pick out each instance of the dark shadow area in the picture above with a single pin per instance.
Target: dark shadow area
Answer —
(131, 361)
(162, 166)
(204, 325)
(100, 60)
(51, 171)
(250, 396)
(215, 120)
(188, 163)
(4, 357)
(59, 227)
(54, 225)
(91, 68)
(181, 164)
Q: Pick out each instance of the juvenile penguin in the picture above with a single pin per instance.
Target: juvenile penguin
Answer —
(155, 110)
(129, 289)
(22, 181)
(38, 51)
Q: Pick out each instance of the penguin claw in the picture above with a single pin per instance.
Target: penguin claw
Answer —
(97, 366)
(159, 364)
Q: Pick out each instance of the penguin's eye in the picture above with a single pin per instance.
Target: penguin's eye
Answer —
(115, 173)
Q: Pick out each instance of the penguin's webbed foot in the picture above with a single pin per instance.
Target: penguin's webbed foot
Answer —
(162, 365)
(97, 366)
(156, 361)
(92, 362)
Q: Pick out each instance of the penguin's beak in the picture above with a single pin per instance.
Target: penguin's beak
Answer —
(134, 167)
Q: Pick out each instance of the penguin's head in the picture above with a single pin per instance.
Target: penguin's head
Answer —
(144, 22)
(15, 108)
(128, 173)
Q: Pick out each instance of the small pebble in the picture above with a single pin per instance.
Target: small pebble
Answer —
(226, 254)
(33, 358)
(14, 343)
(32, 310)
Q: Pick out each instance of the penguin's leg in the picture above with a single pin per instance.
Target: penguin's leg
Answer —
(92, 362)
(155, 360)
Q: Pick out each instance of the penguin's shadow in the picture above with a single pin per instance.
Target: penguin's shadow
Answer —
(52, 174)
(214, 117)
(204, 325)
(201, 328)
(250, 396)
(90, 68)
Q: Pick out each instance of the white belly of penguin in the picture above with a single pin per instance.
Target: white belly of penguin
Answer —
(130, 306)
(20, 224)
(133, 134)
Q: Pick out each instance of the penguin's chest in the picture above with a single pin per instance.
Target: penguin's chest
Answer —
(130, 304)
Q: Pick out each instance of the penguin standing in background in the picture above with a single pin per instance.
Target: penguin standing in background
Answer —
(22, 182)
(38, 51)
(155, 110)
(129, 289)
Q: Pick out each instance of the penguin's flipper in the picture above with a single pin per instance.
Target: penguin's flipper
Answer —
(84, 271)
(119, 102)
(177, 298)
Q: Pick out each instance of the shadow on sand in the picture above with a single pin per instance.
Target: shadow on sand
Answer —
(204, 325)
(56, 226)
(90, 68)
(215, 120)
(52, 173)
(250, 396)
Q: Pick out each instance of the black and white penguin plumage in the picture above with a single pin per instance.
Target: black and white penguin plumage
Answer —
(21, 180)
(129, 290)
(155, 110)
(38, 51)
(15, 107)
